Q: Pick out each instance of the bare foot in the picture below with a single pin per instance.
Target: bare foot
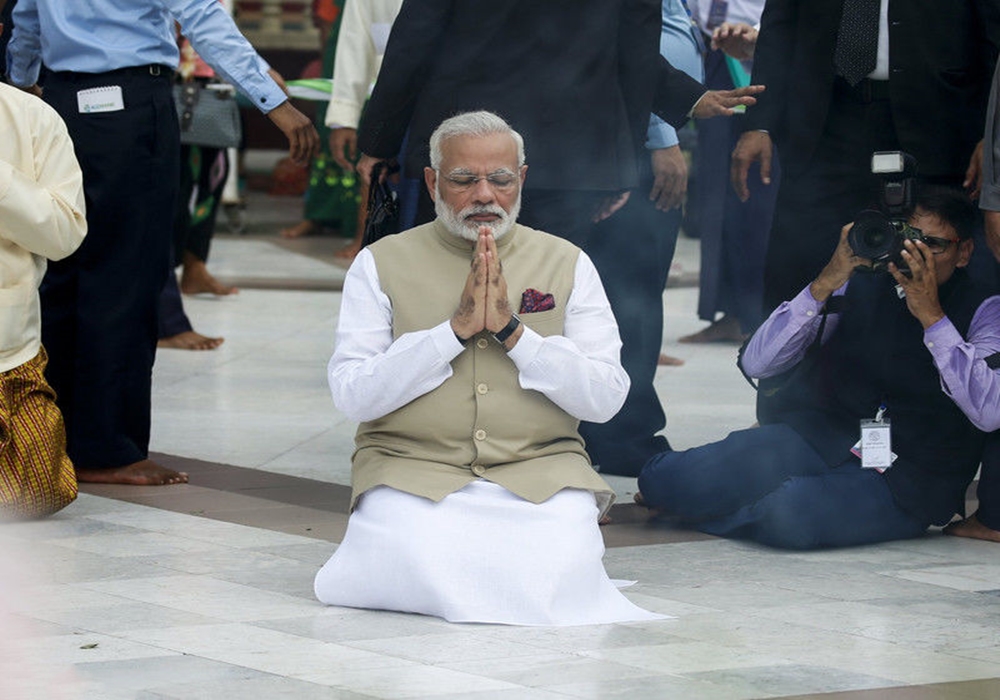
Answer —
(142, 473)
(725, 330)
(665, 360)
(971, 527)
(349, 251)
(196, 279)
(301, 229)
(190, 340)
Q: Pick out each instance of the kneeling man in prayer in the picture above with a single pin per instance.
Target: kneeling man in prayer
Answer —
(473, 497)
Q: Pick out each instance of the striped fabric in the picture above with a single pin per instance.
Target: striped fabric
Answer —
(36, 475)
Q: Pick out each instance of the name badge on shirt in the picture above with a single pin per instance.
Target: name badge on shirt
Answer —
(876, 445)
(100, 99)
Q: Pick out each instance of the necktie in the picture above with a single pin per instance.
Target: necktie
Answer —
(857, 40)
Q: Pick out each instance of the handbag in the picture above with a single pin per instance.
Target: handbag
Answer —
(208, 114)
(383, 206)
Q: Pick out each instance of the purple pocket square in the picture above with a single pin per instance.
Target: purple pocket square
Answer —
(533, 301)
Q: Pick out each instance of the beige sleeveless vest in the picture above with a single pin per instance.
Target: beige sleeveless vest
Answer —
(479, 423)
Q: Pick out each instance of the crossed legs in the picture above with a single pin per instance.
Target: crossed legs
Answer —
(768, 485)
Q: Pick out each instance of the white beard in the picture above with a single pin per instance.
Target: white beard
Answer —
(457, 223)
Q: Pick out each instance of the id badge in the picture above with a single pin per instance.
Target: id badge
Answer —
(100, 99)
(876, 444)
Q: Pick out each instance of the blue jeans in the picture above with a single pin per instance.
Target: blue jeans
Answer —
(768, 485)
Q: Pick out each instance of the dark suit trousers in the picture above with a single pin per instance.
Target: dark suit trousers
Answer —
(99, 306)
(733, 234)
(632, 252)
(820, 194)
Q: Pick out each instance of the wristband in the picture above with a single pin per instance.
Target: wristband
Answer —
(508, 330)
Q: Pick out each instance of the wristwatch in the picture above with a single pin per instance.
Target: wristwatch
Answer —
(508, 330)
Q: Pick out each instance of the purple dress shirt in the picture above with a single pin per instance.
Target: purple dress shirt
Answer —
(782, 340)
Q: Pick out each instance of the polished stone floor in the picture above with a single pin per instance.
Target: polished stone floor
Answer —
(204, 590)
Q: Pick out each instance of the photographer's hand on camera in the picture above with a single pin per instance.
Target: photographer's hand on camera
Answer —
(921, 285)
(838, 270)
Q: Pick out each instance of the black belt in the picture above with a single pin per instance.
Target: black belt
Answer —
(153, 70)
(866, 91)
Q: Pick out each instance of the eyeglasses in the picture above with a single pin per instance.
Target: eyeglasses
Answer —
(937, 245)
(502, 181)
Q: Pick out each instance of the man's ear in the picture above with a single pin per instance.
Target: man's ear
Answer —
(964, 252)
(523, 174)
(430, 179)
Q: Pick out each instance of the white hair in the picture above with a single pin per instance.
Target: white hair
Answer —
(479, 124)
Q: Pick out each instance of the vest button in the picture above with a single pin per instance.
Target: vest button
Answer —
(482, 343)
(478, 469)
(480, 434)
(482, 388)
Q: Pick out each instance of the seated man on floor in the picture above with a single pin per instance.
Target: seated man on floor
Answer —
(474, 499)
(41, 218)
(901, 355)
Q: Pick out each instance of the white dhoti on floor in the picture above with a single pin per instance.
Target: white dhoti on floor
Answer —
(482, 554)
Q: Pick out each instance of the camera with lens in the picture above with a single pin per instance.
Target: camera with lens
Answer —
(878, 234)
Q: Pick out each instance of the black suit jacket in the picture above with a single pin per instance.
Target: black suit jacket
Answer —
(577, 79)
(941, 57)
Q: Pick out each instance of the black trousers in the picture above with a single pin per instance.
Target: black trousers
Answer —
(99, 306)
(820, 194)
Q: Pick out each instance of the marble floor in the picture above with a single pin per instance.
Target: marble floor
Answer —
(204, 590)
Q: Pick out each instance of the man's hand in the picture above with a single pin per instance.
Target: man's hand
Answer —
(497, 306)
(753, 146)
(720, 103)
(670, 176)
(470, 317)
(974, 173)
(921, 286)
(838, 270)
(344, 147)
(365, 165)
(737, 40)
(303, 141)
(609, 205)
(993, 232)
(32, 89)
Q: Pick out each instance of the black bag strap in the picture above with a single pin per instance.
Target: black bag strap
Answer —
(833, 305)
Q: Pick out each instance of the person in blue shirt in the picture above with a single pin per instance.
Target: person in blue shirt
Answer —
(111, 66)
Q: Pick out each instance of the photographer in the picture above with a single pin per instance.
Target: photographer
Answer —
(903, 354)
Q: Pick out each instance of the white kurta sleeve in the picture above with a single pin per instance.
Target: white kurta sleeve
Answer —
(579, 371)
(371, 375)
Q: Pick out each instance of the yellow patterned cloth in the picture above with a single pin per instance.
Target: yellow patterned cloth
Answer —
(36, 475)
